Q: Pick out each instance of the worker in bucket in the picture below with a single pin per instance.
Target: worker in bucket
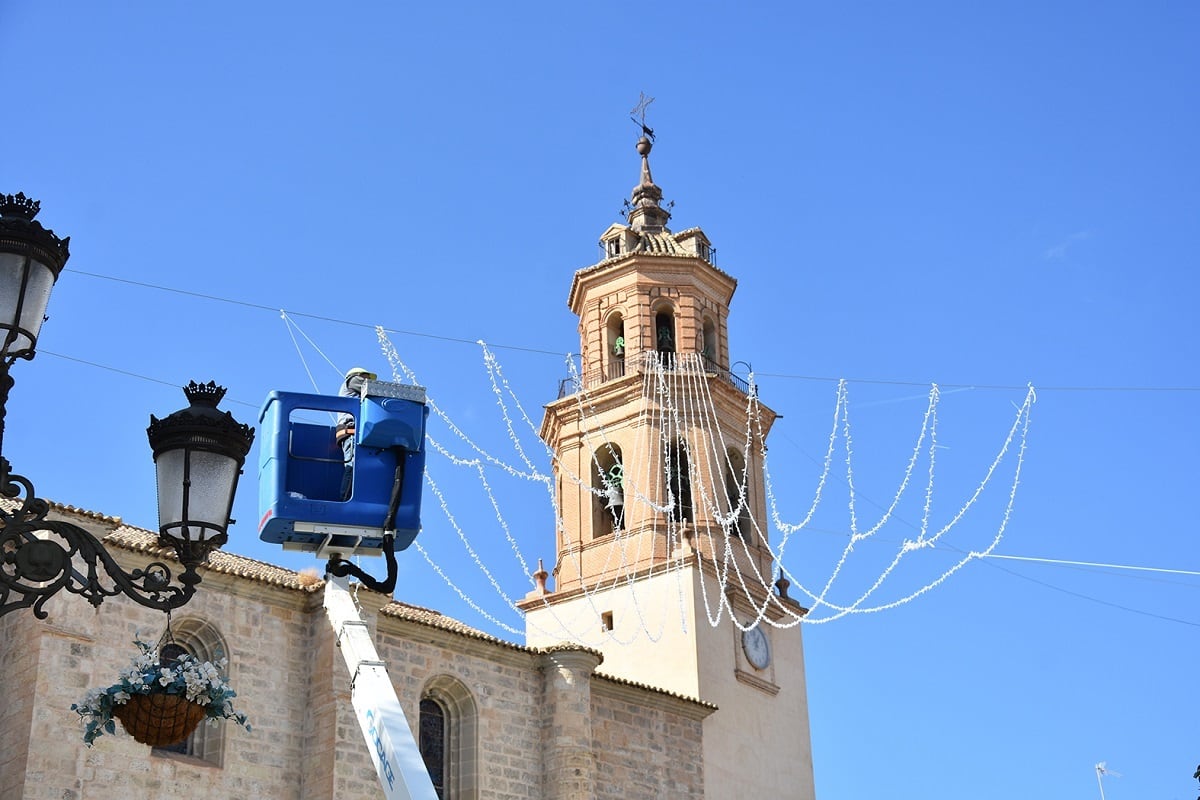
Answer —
(344, 432)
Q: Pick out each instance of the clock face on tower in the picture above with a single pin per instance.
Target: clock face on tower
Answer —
(756, 647)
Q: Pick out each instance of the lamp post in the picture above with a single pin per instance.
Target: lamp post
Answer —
(198, 455)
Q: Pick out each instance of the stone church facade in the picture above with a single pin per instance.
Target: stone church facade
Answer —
(521, 722)
(702, 712)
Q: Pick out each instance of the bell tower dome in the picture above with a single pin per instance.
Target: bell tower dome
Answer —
(662, 560)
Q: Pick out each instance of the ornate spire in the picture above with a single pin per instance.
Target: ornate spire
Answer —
(647, 213)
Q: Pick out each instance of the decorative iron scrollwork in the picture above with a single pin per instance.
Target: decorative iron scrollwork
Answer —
(40, 557)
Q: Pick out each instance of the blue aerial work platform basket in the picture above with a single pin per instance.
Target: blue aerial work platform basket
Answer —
(301, 469)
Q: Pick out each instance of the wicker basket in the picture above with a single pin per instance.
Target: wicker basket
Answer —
(159, 719)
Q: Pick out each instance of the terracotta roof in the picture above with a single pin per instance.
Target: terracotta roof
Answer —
(662, 244)
(139, 540)
(654, 244)
(435, 619)
(143, 541)
(63, 508)
(655, 689)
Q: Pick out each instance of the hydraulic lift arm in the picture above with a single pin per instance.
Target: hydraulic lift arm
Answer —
(398, 761)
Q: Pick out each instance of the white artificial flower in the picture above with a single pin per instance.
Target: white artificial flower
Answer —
(200, 682)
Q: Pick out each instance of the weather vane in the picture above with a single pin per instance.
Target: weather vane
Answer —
(638, 114)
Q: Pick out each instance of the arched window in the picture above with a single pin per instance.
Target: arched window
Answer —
(615, 357)
(738, 493)
(608, 482)
(200, 639)
(664, 335)
(709, 348)
(432, 743)
(612, 247)
(679, 482)
(448, 738)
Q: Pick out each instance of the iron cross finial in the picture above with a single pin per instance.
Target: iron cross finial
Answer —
(638, 114)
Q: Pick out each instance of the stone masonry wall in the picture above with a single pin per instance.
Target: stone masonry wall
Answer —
(522, 728)
(81, 648)
(642, 749)
(504, 687)
(328, 692)
(18, 673)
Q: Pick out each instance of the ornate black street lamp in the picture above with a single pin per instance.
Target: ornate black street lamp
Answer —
(198, 456)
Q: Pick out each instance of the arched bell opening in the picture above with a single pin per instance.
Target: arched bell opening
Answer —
(665, 337)
(615, 346)
(679, 483)
(709, 347)
(608, 484)
(737, 492)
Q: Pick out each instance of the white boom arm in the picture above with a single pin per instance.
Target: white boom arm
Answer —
(398, 761)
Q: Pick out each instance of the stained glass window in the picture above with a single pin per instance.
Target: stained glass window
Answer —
(433, 743)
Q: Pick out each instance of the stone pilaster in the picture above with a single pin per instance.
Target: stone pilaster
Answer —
(568, 763)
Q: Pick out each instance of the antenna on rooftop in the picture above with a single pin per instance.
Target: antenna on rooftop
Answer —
(1102, 770)
(638, 115)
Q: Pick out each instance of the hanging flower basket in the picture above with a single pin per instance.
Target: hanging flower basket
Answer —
(159, 719)
(159, 703)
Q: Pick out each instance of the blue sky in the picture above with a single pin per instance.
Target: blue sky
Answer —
(984, 198)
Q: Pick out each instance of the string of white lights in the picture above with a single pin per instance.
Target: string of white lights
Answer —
(622, 572)
(291, 329)
(787, 529)
(477, 466)
(1019, 433)
(1022, 422)
(402, 372)
(687, 409)
(607, 576)
(855, 535)
(930, 424)
(693, 443)
(733, 547)
(696, 501)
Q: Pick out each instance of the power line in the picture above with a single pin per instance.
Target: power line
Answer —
(1095, 564)
(352, 323)
(139, 376)
(319, 317)
(1056, 562)
(1094, 599)
(990, 386)
(1138, 576)
(1061, 562)
(559, 354)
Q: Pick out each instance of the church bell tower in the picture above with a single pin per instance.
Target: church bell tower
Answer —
(662, 559)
